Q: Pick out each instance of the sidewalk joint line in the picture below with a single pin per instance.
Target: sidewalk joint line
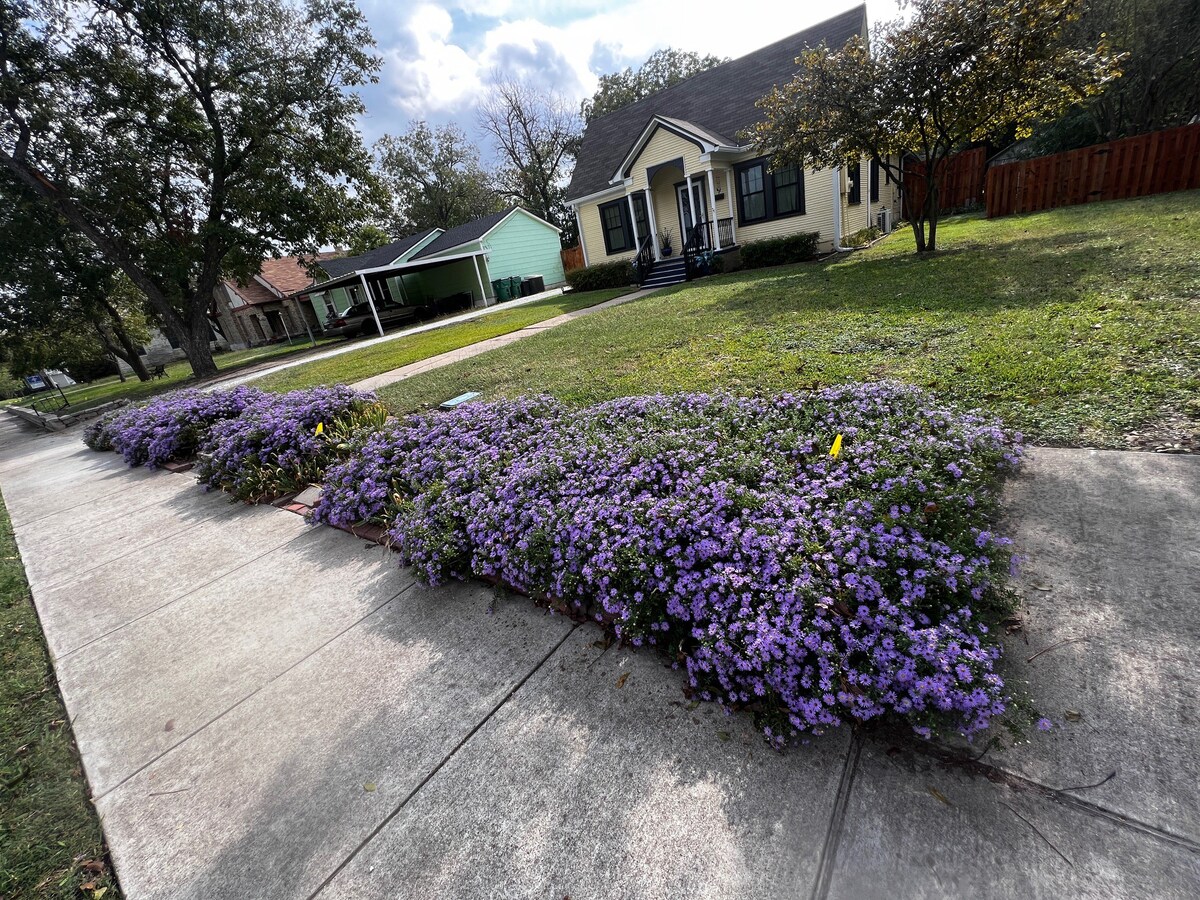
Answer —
(97, 797)
(267, 552)
(827, 858)
(424, 781)
(165, 536)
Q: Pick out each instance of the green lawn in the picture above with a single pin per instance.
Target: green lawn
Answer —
(350, 367)
(50, 843)
(82, 396)
(1078, 326)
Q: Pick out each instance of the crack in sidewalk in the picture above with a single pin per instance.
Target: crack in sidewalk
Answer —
(827, 858)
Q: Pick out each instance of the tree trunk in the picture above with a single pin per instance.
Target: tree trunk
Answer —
(929, 211)
(122, 347)
(194, 340)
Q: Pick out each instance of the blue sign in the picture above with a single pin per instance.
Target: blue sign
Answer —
(35, 382)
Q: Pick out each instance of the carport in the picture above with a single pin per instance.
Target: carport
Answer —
(421, 282)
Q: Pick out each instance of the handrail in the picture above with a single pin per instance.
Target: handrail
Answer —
(644, 261)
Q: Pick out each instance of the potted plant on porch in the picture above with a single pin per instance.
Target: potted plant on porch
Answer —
(664, 242)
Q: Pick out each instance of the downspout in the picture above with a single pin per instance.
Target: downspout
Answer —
(837, 211)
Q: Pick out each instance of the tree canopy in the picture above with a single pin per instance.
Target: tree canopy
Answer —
(435, 179)
(61, 302)
(953, 72)
(1160, 72)
(662, 69)
(189, 139)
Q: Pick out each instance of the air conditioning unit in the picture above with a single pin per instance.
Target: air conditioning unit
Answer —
(884, 221)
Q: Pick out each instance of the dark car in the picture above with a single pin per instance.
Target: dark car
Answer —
(357, 320)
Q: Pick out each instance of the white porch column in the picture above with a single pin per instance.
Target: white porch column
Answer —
(712, 200)
(692, 204)
(653, 224)
(732, 204)
(371, 301)
(637, 241)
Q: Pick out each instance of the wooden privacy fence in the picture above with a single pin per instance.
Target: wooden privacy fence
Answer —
(1132, 167)
(962, 183)
(572, 257)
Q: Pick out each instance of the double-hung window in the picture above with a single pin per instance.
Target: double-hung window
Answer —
(874, 170)
(854, 174)
(764, 195)
(614, 221)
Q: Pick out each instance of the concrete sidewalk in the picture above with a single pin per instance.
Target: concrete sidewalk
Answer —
(267, 709)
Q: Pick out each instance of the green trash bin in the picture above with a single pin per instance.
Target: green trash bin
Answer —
(514, 287)
(500, 289)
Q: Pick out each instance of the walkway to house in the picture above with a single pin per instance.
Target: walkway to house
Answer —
(243, 377)
(271, 710)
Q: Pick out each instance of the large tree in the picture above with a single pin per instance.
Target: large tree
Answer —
(662, 69)
(55, 287)
(951, 73)
(188, 139)
(435, 179)
(1160, 78)
(536, 135)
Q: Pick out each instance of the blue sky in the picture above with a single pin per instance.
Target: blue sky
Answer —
(439, 56)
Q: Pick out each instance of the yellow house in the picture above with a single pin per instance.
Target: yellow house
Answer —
(675, 170)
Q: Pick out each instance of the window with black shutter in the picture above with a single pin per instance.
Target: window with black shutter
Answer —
(874, 170)
(764, 195)
(614, 222)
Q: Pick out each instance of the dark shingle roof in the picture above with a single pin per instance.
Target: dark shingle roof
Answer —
(372, 259)
(463, 234)
(720, 100)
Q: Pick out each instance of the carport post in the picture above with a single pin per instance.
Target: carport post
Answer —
(371, 300)
(482, 289)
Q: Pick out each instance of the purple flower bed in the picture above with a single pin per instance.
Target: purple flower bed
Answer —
(283, 442)
(813, 589)
(170, 427)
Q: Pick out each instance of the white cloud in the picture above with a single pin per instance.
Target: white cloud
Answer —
(439, 57)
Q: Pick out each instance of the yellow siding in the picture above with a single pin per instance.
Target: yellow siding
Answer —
(663, 146)
(818, 213)
(592, 234)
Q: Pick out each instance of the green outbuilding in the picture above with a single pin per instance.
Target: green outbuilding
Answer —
(504, 256)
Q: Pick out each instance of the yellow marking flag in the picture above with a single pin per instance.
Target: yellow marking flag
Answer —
(837, 447)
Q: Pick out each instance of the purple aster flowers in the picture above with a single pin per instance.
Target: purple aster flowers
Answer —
(283, 442)
(170, 427)
(814, 590)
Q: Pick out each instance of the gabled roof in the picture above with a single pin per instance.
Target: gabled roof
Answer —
(276, 279)
(719, 102)
(372, 259)
(464, 234)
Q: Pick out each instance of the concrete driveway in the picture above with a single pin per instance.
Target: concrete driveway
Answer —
(267, 709)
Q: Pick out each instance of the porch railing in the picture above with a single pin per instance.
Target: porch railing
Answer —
(725, 232)
(644, 261)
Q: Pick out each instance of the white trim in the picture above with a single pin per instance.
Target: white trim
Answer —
(733, 212)
(434, 234)
(270, 287)
(658, 121)
(483, 297)
(595, 196)
(371, 302)
(633, 222)
(511, 212)
(582, 242)
(653, 223)
(712, 200)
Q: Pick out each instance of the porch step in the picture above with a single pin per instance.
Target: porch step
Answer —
(664, 273)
